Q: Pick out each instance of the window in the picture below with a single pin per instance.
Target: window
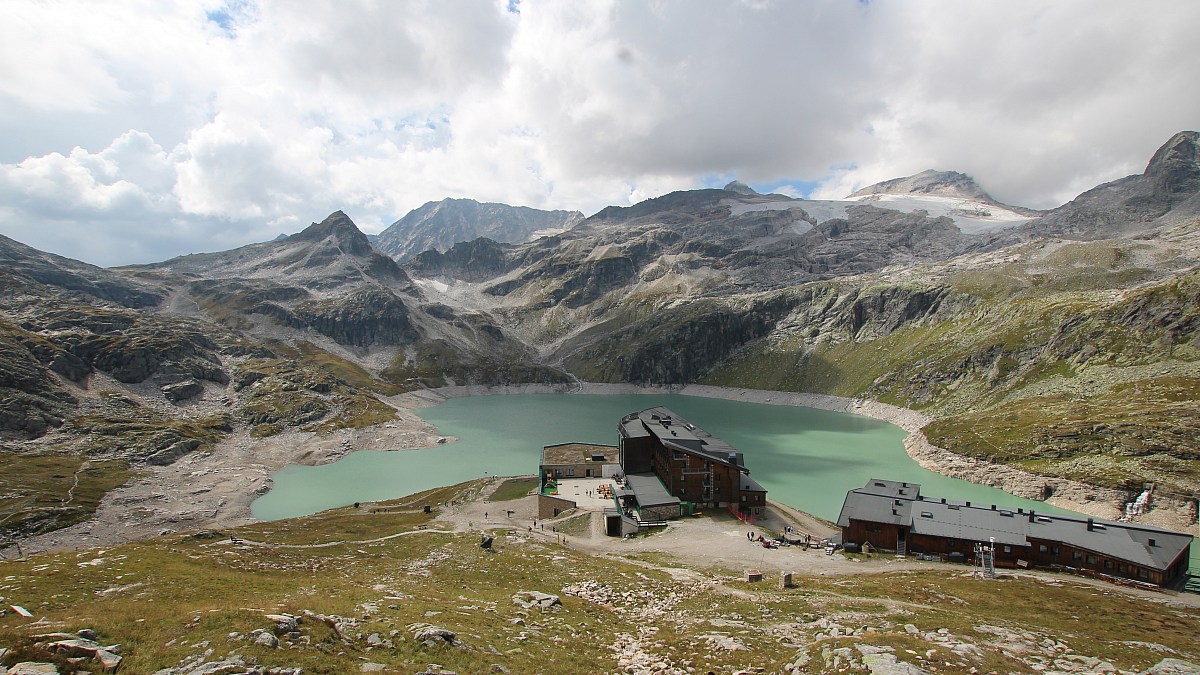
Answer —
(1008, 549)
(1076, 555)
(570, 472)
(1055, 550)
(743, 497)
(1042, 548)
(1091, 560)
(1108, 564)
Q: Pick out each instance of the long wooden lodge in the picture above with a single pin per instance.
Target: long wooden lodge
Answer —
(894, 516)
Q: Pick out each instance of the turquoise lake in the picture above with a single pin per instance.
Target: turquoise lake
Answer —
(806, 458)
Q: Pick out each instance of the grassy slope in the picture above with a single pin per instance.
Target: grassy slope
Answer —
(168, 599)
(1062, 373)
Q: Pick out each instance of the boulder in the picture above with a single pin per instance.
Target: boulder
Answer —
(266, 640)
(435, 636)
(535, 600)
(33, 668)
(181, 391)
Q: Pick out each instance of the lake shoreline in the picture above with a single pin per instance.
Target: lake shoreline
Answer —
(1063, 493)
(215, 489)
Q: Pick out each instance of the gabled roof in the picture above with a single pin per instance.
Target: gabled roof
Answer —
(892, 502)
(678, 434)
(748, 484)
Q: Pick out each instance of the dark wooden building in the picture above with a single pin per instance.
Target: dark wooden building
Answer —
(894, 516)
(692, 464)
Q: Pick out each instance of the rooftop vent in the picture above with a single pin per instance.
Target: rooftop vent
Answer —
(952, 506)
(597, 458)
(880, 484)
(926, 514)
(1044, 519)
(1006, 513)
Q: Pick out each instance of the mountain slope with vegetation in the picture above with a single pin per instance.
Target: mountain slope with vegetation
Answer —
(1063, 343)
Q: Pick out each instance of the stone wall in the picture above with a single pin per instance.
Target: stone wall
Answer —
(547, 506)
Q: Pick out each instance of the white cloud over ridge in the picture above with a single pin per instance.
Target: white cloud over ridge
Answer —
(135, 131)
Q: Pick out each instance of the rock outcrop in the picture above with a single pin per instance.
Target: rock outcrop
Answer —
(438, 226)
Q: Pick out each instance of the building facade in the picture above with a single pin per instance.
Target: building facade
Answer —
(693, 465)
(894, 516)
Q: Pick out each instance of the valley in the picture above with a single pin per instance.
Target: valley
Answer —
(1053, 353)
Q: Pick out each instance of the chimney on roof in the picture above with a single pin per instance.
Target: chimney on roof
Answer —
(968, 503)
(993, 507)
(1031, 516)
(943, 500)
(1153, 543)
(1091, 525)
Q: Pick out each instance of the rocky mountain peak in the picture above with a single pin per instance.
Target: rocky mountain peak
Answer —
(1174, 169)
(440, 225)
(1180, 149)
(741, 188)
(929, 182)
(338, 227)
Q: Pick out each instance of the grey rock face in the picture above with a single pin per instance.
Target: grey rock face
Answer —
(440, 225)
(1166, 193)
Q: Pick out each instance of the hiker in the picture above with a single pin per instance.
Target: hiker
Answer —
(485, 515)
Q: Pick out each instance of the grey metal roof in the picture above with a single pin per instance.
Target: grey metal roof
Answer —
(649, 490)
(971, 523)
(1126, 541)
(631, 427)
(874, 508)
(748, 484)
(677, 433)
(891, 502)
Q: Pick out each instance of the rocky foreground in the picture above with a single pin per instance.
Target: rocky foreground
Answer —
(389, 588)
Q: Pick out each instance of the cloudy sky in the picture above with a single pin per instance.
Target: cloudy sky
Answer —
(137, 130)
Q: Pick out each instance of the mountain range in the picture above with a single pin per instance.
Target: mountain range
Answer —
(1061, 342)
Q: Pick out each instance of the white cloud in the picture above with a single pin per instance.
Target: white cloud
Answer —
(133, 131)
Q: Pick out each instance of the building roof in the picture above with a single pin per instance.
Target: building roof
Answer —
(677, 433)
(875, 508)
(578, 453)
(901, 504)
(1126, 541)
(649, 490)
(748, 484)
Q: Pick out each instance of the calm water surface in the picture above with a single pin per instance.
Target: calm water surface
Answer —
(805, 458)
